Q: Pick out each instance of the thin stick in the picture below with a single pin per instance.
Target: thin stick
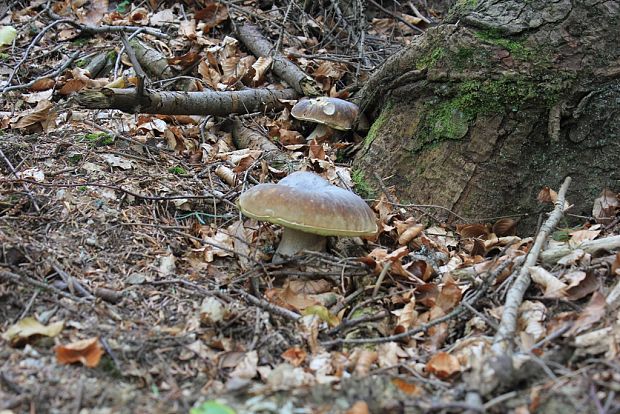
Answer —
(503, 340)
(269, 307)
(397, 17)
(13, 277)
(14, 172)
(384, 271)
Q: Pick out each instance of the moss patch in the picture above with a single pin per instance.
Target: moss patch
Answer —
(376, 126)
(430, 59)
(361, 185)
(99, 139)
(515, 47)
(450, 119)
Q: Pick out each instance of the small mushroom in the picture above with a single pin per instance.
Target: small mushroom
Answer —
(309, 208)
(327, 113)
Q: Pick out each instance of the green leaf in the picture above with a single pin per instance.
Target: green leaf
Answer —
(212, 407)
(323, 313)
(7, 35)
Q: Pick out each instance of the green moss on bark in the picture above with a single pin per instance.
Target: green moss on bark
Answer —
(385, 114)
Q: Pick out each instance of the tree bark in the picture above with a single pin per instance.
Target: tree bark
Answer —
(480, 113)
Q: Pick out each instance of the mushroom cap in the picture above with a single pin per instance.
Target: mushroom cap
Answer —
(333, 112)
(306, 202)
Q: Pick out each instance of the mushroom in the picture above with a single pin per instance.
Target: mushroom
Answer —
(309, 208)
(327, 113)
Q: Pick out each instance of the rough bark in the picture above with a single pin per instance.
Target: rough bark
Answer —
(186, 103)
(507, 97)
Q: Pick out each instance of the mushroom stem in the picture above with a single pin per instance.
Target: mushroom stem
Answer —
(319, 132)
(294, 241)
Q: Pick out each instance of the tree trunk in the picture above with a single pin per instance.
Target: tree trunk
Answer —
(480, 113)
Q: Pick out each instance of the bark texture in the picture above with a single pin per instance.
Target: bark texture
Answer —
(480, 113)
(186, 103)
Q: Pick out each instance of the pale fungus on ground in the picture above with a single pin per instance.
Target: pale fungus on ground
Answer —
(328, 113)
(309, 208)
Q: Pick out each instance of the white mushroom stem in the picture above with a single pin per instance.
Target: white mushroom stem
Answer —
(319, 132)
(294, 241)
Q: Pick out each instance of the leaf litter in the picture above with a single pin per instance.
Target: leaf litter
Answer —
(127, 254)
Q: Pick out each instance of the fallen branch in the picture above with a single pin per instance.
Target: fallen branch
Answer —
(269, 307)
(245, 137)
(186, 103)
(551, 256)
(281, 66)
(21, 279)
(503, 340)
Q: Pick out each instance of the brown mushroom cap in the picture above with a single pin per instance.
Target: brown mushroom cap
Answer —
(333, 112)
(306, 202)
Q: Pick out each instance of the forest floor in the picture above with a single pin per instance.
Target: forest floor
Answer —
(130, 282)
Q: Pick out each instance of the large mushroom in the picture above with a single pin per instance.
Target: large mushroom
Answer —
(309, 208)
(328, 113)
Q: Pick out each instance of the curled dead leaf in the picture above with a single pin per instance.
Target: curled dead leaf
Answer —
(478, 230)
(443, 365)
(86, 351)
(606, 207)
(505, 227)
(295, 356)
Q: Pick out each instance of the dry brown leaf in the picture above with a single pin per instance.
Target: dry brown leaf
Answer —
(163, 17)
(547, 195)
(443, 365)
(364, 362)
(615, 266)
(467, 231)
(449, 296)
(553, 287)
(139, 16)
(579, 236)
(187, 29)
(96, 10)
(229, 70)
(247, 367)
(86, 351)
(261, 66)
(211, 76)
(420, 269)
(287, 137)
(43, 117)
(606, 207)
(505, 227)
(42, 84)
(359, 407)
(295, 356)
(531, 319)
(29, 327)
(591, 314)
(211, 15)
(427, 294)
(407, 387)
(407, 317)
(408, 231)
(290, 298)
(589, 284)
